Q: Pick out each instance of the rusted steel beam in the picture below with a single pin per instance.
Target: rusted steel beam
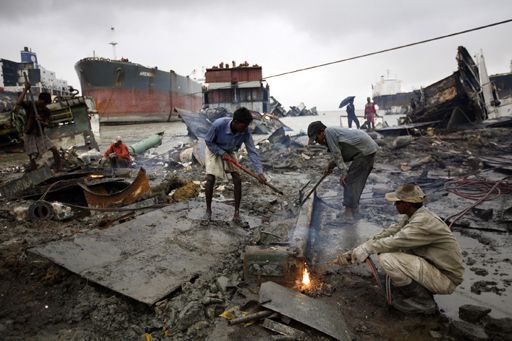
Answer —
(127, 196)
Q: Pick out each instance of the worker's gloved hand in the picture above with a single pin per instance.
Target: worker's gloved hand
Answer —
(262, 179)
(360, 253)
(112, 155)
(344, 259)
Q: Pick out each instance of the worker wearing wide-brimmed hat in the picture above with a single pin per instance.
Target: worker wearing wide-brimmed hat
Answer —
(419, 254)
(347, 145)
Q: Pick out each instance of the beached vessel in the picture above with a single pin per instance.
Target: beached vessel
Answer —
(127, 92)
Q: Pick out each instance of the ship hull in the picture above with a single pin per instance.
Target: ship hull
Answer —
(129, 93)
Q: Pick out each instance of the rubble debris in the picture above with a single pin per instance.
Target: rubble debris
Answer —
(276, 108)
(309, 311)
(13, 188)
(473, 313)
(301, 110)
(199, 123)
(251, 317)
(188, 191)
(276, 263)
(283, 329)
(401, 141)
(467, 331)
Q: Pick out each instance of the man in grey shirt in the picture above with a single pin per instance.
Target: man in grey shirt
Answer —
(347, 145)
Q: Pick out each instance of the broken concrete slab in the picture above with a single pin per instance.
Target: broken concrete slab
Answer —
(152, 255)
(309, 311)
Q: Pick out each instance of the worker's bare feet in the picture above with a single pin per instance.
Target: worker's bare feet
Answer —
(237, 221)
(349, 214)
(205, 220)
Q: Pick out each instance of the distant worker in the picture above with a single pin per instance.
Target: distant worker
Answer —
(118, 154)
(224, 139)
(35, 140)
(369, 114)
(351, 114)
(347, 145)
(419, 254)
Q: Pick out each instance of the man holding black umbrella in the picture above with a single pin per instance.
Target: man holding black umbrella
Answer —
(351, 114)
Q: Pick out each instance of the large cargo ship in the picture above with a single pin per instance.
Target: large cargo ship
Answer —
(127, 92)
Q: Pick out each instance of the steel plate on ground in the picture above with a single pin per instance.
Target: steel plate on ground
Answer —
(149, 257)
(312, 312)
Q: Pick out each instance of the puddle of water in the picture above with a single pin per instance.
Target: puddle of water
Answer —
(487, 259)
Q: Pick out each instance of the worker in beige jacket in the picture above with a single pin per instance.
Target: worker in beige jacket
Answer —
(420, 254)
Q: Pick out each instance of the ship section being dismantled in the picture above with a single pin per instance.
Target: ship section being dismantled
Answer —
(453, 100)
(126, 92)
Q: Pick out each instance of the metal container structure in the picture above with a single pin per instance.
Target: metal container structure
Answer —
(235, 87)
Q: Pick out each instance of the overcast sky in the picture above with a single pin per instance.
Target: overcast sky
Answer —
(279, 35)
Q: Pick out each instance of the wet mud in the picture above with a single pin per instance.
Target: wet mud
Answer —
(40, 300)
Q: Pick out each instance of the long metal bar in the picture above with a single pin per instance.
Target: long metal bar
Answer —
(251, 173)
(313, 189)
(33, 105)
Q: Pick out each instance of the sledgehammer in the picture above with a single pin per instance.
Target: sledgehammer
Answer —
(251, 173)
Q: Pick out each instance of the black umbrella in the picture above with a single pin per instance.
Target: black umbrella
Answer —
(346, 101)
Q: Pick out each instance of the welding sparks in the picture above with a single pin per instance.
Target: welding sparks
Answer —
(305, 277)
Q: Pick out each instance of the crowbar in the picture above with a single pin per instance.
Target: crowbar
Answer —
(313, 189)
(251, 173)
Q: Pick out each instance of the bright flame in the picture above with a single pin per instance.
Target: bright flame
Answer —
(305, 277)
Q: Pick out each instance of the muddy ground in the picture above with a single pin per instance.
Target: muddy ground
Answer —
(40, 300)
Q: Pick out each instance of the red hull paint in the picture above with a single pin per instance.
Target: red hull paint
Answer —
(135, 105)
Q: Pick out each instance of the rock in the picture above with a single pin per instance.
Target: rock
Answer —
(222, 283)
(479, 271)
(191, 313)
(502, 325)
(470, 261)
(198, 327)
(401, 141)
(472, 313)
(466, 331)
(435, 334)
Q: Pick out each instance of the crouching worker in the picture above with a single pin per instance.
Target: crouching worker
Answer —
(420, 254)
(118, 154)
